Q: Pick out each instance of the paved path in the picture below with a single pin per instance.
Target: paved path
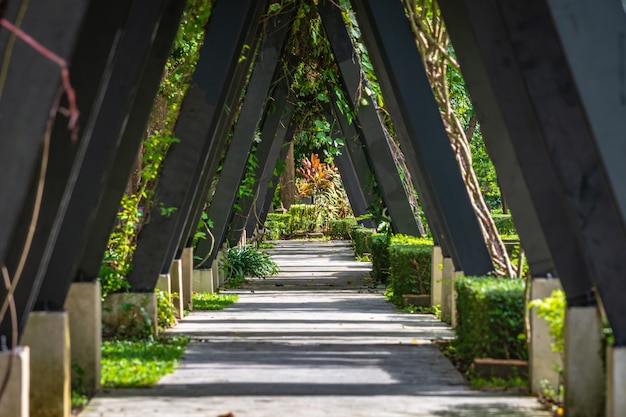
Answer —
(317, 340)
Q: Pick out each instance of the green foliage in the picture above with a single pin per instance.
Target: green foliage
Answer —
(79, 397)
(240, 263)
(177, 74)
(490, 319)
(552, 310)
(504, 223)
(277, 225)
(340, 229)
(117, 261)
(139, 363)
(379, 243)
(165, 310)
(409, 269)
(361, 240)
(212, 301)
(306, 218)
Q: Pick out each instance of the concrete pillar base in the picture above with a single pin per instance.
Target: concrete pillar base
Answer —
(543, 363)
(447, 275)
(456, 275)
(84, 306)
(129, 314)
(436, 276)
(15, 401)
(176, 277)
(616, 381)
(203, 280)
(187, 276)
(47, 334)
(164, 283)
(583, 370)
(215, 269)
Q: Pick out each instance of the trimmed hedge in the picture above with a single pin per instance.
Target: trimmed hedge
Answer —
(361, 240)
(490, 315)
(277, 225)
(379, 243)
(410, 260)
(504, 224)
(306, 218)
(341, 229)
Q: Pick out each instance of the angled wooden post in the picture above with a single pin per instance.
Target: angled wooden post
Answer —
(232, 23)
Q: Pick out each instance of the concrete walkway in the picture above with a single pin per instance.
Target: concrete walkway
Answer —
(317, 340)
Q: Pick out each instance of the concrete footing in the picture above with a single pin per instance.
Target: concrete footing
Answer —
(15, 399)
(186, 259)
(454, 313)
(436, 276)
(203, 280)
(83, 305)
(47, 334)
(176, 279)
(616, 381)
(129, 314)
(164, 283)
(447, 275)
(543, 362)
(215, 269)
(583, 369)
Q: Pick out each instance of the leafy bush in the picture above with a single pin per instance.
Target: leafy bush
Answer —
(379, 243)
(247, 262)
(552, 310)
(409, 269)
(277, 225)
(139, 363)
(212, 301)
(504, 224)
(490, 315)
(340, 229)
(361, 239)
(306, 218)
(165, 310)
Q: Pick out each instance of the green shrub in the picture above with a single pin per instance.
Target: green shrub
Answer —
(361, 240)
(490, 315)
(552, 310)
(409, 269)
(306, 218)
(165, 310)
(379, 243)
(277, 225)
(504, 224)
(247, 262)
(340, 229)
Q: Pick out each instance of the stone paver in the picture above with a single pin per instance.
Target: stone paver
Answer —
(319, 339)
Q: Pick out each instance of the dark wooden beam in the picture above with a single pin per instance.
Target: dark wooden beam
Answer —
(146, 20)
(268, 185)
(353, 165)
(519, 190)
(30, 117)
(231, 23)
(263, 74)
(420, 131)
(373, 131)
(130, 143)
(582, 151)
(273, 131)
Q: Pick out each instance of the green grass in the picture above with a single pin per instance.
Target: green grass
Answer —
(139, 363)
(212, 301)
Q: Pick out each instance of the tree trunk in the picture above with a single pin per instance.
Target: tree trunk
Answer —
(288, 180)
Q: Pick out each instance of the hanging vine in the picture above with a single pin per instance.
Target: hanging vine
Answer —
(442, 68)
